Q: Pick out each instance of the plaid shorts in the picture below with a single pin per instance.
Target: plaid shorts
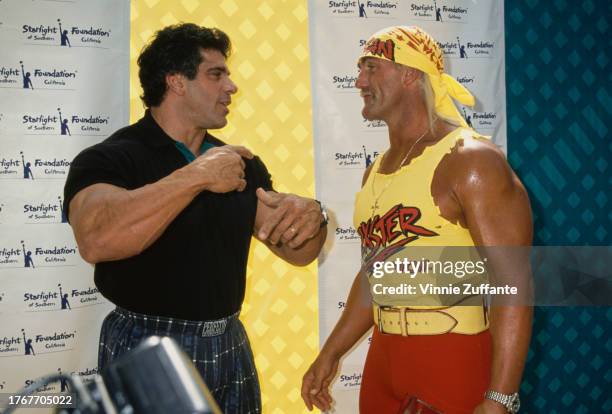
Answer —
(219, 349)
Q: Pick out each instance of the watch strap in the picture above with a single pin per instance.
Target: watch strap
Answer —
(510, 401)
(323, 214)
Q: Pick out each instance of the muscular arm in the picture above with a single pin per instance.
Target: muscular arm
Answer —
(357, 316)
(112, 223)
(302, 255)
(496, 211)
(354, 322)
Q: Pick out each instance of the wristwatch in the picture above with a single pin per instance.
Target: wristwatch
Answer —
(324, 214)
(510, 401)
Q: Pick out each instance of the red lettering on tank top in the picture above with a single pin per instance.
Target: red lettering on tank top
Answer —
(384, 231)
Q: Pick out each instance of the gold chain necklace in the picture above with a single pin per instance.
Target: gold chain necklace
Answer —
(375, 205)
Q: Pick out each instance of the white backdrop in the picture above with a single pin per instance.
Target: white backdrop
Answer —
(60, 91)
(471, 34)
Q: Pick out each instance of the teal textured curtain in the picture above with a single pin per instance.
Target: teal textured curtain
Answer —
(558, 76)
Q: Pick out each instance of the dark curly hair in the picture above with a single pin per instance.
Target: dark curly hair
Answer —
(176, 49)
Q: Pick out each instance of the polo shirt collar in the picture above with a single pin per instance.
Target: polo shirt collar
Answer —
(156, 136)
(187, 154)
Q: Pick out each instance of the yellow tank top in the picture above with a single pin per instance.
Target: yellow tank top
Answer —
(394, 212)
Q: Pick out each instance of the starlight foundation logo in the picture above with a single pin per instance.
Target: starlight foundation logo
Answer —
(41, 211)
(467, 81)
(52, 167)
(343, 8)
(62, 298)
(10, 345)
(363, 8)
(10, 167)
(355, 159)
(437, 11)
(344, 82)
(54, 255)
(53, 387)
(480, 120)
(61, 34)
(86, 373)
(351, 380)
(9, 75)
(87, 123)
(45, 212)
(41, 124)
(347, 235)
(31, 256)
(30, 167)
(10, 256)
(378, 8)
(40, 300)
(469, 49)
(28, 76)
(40, 32)
(46, 342)
(61, 123)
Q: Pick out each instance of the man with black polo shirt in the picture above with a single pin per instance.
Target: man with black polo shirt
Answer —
(166, 212)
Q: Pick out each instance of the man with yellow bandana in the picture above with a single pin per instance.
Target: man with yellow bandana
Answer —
(441, 184)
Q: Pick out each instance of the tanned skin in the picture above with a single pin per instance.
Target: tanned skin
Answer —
(474, 187)
(113, 223)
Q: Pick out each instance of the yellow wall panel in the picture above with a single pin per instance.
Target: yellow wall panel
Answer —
(270, 114)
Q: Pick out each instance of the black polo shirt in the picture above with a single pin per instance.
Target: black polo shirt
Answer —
(196, 270)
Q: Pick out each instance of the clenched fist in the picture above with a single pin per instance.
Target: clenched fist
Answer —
(220, 169)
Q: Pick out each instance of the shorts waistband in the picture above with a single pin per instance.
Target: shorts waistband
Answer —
(163, 324)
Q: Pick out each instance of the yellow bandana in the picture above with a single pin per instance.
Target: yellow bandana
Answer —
(413, 47)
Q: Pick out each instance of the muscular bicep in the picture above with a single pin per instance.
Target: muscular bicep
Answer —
(497, 212)
(495, 203)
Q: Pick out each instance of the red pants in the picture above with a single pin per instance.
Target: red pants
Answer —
(451, 372)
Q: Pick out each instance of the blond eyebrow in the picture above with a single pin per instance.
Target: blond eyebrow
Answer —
(364, 60)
